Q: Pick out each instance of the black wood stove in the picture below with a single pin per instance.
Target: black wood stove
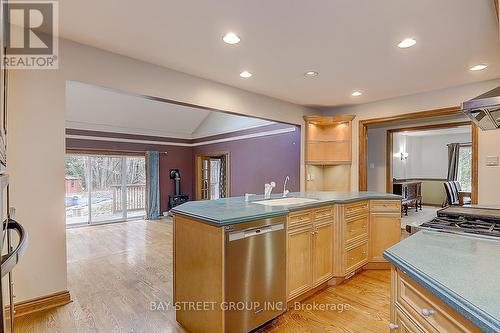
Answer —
(177, 198)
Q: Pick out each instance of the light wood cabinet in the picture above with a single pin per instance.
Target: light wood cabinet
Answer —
(363, 231)
(403, 324)
(416, 309)
(356, 228)
(322, 252)
(309, 250)
(328, 152)
(385, 231)
(299, 260)
(337, 241)
(356, 256)
(351, 237)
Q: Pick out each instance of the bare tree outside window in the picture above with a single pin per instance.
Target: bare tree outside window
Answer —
(103, 188)
(465, 168)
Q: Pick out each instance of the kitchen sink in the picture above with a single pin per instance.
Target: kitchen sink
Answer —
(285, 201)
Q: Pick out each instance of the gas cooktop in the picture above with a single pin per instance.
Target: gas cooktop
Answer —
(464, 225)
(466, 220)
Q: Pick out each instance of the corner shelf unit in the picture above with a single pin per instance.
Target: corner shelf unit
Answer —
(328, 153)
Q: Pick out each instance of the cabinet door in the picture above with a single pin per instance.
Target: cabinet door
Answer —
(299, 261)
(385, 231)
(322, 253)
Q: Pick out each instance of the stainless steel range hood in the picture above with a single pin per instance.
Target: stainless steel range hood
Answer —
(484, 109)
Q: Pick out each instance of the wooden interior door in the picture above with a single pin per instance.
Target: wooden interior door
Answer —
(203, 183)
(204, 171)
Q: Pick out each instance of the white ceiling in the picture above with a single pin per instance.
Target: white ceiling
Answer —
(95, 108)
(441, 131)
(352, 44)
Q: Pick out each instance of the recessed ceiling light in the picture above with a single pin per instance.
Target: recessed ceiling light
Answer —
(246, 74)
(407, 42)
(311, 74)
(478, 67)
(231, 38)
(357, 93)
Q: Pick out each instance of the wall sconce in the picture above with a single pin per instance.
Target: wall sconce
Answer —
(404, 156)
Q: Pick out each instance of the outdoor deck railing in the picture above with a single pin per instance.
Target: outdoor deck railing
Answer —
(136, 197)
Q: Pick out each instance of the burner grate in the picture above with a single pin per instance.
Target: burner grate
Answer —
(465, 225)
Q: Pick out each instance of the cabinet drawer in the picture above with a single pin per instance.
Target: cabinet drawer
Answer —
(324, 213)
(428, 310)
(356, 257)
(385, 206)
(403, 324)
(356, 208)
(301, 217)
(356, 229)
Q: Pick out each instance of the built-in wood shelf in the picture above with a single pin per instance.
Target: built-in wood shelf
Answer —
(328, 162)
(327, 141)
(328, 152)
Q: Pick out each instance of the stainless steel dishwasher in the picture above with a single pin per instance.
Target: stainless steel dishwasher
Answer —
(255, 279)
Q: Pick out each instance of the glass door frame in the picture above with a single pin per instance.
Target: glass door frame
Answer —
(88, 171)
(199, 177)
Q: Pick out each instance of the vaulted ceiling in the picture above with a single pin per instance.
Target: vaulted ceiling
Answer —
(352, 44)
(95, 108)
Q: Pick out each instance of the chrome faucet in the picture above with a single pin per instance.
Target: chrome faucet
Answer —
(285, 191)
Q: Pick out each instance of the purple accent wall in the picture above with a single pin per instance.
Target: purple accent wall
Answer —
(176, 158)
(260, 160)
(253, 161)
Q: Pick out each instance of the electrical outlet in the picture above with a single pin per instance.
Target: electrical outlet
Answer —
(492, 161)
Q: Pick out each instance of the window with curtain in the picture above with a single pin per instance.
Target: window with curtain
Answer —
(464, 175)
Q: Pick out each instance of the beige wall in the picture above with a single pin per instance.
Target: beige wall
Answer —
(36, 148)
(489, 142)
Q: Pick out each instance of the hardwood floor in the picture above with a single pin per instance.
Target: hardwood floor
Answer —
(115, 271)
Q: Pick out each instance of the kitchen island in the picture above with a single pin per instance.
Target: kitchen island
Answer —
(270, 253)
(444, 282)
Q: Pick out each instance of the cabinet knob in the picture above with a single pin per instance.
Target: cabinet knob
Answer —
(427, 312)
(393, 326)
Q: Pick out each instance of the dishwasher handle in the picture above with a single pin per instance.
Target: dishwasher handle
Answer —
(237, 235)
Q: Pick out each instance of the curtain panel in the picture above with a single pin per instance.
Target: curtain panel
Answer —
(152, 185)
(223, 177)
(453, 158)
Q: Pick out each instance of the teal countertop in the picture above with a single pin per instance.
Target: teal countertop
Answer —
(237, 210)
(463, 271)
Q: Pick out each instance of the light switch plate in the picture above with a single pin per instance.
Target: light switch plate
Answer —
(492, 161)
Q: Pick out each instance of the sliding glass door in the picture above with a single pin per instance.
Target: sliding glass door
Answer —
(101, 188)
(136, 187)
(105, 188)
